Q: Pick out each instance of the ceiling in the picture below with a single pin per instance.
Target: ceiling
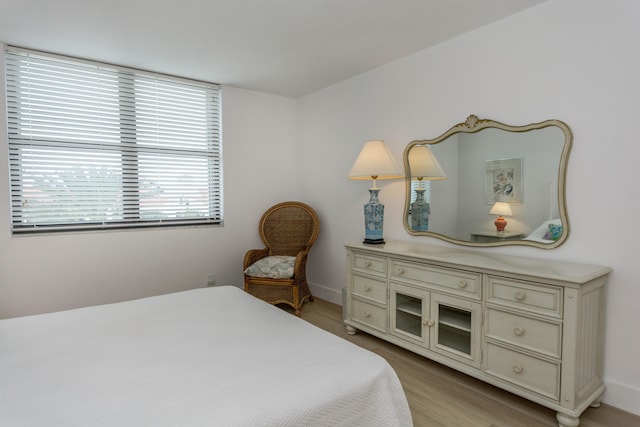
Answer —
(284, 47)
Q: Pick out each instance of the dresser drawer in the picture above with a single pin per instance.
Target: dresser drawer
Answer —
(454, 281)
(370, 315)
(534, 334)
(370, 264)
(537, 298)
(367, 287)
(537, 375)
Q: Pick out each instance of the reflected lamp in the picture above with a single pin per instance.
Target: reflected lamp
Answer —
(501, 209)
(423, 166)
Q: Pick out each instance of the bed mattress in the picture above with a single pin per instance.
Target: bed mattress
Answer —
(205, 357)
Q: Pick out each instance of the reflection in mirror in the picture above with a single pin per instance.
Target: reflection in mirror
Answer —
(489, 164)
(423, 167)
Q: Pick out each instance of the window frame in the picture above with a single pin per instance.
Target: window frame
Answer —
(202, 155)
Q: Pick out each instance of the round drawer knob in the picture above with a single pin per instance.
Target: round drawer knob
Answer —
(462, 284)
(518, 331)
(399, 271)
(367, 288)
(517, 369)
(520, 295)
(367, 314)
(367, 264)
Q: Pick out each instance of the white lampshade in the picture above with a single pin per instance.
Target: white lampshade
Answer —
(501, 208)
(423, 165)
(375, 162)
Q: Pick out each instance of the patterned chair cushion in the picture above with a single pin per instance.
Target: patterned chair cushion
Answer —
(274, 267)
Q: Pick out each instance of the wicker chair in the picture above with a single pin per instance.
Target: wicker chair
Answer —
(287, 229)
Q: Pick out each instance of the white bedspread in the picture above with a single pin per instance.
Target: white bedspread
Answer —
(206, 357)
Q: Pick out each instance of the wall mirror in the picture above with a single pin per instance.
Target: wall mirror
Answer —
(465, 185)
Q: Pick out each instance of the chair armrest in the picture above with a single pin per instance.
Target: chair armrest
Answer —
(254, 255)
(300, 267)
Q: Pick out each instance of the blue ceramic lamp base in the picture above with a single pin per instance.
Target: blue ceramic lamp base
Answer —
(373, 219)
(420, 211)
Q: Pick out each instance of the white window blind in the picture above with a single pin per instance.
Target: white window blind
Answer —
(94, 146)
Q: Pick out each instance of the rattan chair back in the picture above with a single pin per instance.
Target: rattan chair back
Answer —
(288, 228)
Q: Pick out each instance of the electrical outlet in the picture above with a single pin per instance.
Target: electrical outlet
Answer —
(211, 279)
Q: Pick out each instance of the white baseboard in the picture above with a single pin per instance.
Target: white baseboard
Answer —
(331, 295)
(622, 396)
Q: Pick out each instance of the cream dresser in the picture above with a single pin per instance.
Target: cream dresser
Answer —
(532, 327)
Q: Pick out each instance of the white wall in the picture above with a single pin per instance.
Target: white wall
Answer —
(52, 272)
(573, 60)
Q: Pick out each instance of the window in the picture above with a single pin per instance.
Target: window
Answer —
(97, 146)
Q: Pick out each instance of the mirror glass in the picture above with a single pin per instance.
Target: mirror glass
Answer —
(489, 174)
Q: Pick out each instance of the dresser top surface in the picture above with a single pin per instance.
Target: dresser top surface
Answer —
(546, 269)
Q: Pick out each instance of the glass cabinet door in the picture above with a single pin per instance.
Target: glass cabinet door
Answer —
(456, 330)
(409, 307)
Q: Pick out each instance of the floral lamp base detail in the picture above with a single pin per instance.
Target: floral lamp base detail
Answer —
(420, 211)
(373, 219)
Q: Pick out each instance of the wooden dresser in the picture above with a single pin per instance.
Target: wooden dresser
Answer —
(532, 327)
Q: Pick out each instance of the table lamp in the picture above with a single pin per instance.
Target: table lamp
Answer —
(374, 162)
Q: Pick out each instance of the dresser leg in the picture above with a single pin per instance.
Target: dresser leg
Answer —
(351, 330)
(567, 421)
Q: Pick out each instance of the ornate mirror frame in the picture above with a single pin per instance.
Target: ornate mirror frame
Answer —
(473, 125)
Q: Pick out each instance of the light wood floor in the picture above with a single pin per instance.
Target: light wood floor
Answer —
(439, 396)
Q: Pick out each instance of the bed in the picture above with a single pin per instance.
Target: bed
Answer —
(205, 357)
